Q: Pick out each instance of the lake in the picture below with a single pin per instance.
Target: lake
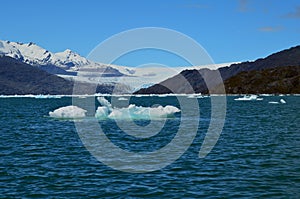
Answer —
(256, 155)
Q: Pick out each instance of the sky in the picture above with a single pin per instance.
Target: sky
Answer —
(229, 30)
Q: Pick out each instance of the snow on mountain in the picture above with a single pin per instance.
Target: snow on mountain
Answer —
(70, 59)
(33, 54)
(71, 65)
(139, 77)
(10, 50)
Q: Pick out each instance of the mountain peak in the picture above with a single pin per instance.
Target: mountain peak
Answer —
(33, 54)
(68, 51)
(31, 43)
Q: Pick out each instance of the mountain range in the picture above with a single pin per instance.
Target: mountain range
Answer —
(20, 78)
(278, 80)
(74, 67)
(35, 55)
(193, 81)
(30, 69)
(60, 63)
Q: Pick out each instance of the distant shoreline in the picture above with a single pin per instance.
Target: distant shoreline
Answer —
(140, 95)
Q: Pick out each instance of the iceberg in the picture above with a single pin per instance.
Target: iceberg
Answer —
(106, 111)
(272, 102)
(122, 99)
(68, 112)
(249, 98)
(281, 101)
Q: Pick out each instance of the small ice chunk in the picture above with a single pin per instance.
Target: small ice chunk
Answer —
(282, 101)
(101, 112)
(122, 99)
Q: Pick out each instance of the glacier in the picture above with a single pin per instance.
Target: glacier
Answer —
(72, 66)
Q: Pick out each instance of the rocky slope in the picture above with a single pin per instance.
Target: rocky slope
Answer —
(280, 80)
(19, 78)
(192, 81)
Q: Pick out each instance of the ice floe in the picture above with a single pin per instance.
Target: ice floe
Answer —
(281, 101)
(249, 98)
(122, 99)
(68, 112)
(133, 112)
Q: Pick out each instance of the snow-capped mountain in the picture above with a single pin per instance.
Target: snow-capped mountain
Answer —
(33, 54)
(72, 66)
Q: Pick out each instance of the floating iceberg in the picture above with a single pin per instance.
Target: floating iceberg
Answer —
(133, 111)
(68, 112)
(106, 111)
(122, 99)
(102, 112)
(249, 98)
(282, 101)
(272, 102)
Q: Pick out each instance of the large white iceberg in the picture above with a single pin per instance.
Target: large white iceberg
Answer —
(68, 112)
(133, 111)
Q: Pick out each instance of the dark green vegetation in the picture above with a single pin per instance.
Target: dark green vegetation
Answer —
(192, 81)
(280, 80)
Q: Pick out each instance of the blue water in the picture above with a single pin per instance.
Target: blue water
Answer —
(257, 155)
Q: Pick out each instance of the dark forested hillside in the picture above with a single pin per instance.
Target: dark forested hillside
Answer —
(178, 83)
(17, 77)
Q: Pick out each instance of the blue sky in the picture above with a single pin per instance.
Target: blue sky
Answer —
(230, 30)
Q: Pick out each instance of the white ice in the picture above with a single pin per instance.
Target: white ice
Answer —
(281, 101)
(68, 112)
(249, 98)
(133, 111)
(272, 102)
(122, 99)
